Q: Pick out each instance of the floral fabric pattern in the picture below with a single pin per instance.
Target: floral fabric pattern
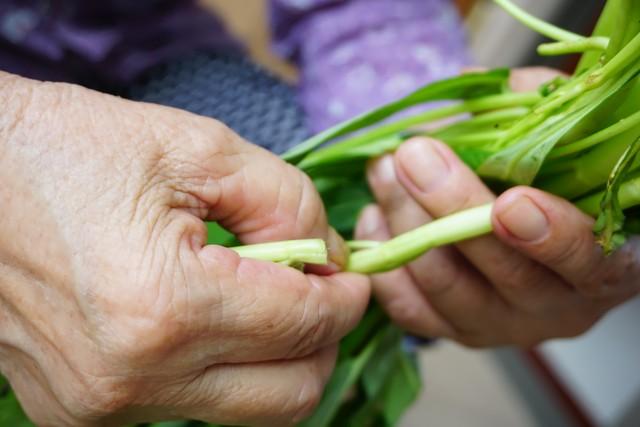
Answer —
(358, 54)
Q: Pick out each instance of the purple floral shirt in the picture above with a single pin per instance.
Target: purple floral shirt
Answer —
(353, 54)
(358, 54)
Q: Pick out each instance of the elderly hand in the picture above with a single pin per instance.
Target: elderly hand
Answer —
(540, 275)
(113, 309)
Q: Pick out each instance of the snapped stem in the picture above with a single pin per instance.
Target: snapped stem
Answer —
(377, 257)
(309, 251)
(406, 247)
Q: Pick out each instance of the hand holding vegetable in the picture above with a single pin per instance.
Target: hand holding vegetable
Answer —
(540, 275)
(576, 137)
(113, 310)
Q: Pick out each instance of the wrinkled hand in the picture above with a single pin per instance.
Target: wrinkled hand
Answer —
(540, 275)
(112, 308)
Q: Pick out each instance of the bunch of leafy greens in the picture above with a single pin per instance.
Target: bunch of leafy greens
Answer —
(577, 137)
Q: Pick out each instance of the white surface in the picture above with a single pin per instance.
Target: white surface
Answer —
(602, 368)
(498, 40)
(465, 388)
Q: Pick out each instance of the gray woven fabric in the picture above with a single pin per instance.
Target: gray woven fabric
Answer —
(235, 91)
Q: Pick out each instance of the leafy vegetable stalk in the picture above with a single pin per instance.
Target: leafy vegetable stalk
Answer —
(576, 137)
(566, 138)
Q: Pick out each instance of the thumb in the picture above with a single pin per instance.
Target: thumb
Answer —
(254, 194)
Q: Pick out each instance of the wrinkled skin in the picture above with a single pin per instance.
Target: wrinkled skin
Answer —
(540, 275)
(113, 310)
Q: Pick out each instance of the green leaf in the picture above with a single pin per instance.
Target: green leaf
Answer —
(323, 163)
(345, 376)
(521, 160)
(373, 320)
(366, 415)
(386, 137)
(588, 172)
(399, 390)
(610, 222)
(462, 87)
(473, 157)
(382, 363)
(217, 235)
(344, 203)
(11, 413)
(402, 389)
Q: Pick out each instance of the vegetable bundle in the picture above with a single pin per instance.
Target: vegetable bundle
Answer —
(577, 137)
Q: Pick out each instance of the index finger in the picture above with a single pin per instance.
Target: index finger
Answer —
(250, 191)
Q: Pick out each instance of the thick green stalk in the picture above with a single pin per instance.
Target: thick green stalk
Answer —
(592, 140)
(589, 171)
(498, 117)
(310, 251)
(628, 196)
(574, 46)
(479, 139)
(408, 246)
(377, 257)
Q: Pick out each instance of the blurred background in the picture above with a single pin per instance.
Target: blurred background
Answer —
(593, 380)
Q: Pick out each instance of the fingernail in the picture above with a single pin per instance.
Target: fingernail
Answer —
(338, 251)
(524, 219)
(383, 170)
(423, 164)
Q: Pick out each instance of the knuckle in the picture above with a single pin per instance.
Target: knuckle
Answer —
(141, 337)
(99, 398)
(390, 195)
(521, 274)
(310, 212)
(615, 275)
(215, 134)
(457, 197)
(601, 283)
(566, 251)
(438, 279)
